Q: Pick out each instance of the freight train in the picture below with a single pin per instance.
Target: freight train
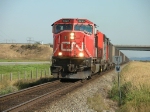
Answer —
(80, 50)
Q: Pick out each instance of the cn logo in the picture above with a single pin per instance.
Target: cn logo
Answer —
(72, 45)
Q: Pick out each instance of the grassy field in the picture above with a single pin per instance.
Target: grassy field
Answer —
(135, 88)
(16, 60)
(21, 76)
(23, 69)
(28, 75)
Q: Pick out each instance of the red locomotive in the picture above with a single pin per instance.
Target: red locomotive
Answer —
(79, 49)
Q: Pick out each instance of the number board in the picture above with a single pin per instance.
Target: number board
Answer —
(65, 20)
(81, 20)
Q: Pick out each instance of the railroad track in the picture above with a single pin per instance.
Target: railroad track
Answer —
(31, 98)
(58, 96)
(13, 99)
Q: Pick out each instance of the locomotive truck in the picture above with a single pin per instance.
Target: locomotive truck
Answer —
(80, 50)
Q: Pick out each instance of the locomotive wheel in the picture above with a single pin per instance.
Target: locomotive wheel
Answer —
(99, 72)
(107, 68)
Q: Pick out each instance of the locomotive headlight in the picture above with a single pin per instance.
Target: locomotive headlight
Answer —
(71, 35)
(81, 54)
(60, 53)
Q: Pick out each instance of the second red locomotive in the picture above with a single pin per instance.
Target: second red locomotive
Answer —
(79, 49)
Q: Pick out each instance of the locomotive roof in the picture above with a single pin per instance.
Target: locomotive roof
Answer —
(72, 20)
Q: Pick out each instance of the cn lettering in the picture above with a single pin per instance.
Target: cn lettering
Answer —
(72, 45)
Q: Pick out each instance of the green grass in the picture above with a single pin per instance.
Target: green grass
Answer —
(7, 86)
(114, 93)
(15, 68)
(137, 100)
(24, 69)
(16, 60)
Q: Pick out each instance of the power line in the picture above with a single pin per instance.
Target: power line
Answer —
(4, 33)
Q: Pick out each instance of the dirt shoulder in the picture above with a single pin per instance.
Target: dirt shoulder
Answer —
(25, 51)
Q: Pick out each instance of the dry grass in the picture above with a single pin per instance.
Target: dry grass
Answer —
(135, 88)
(19, 51)
(97, 102)
(138, 73)
(138, 97)
(7, 86)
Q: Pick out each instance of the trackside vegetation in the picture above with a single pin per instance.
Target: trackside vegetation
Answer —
(135, 88)
(7, 86)
(97, 103)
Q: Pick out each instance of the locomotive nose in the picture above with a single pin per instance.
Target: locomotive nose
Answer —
(71, 45)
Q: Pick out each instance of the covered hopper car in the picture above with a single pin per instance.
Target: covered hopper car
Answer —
(80, 50)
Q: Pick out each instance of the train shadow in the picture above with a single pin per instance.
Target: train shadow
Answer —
(69, 80)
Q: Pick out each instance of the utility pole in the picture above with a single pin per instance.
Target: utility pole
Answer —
(29, 40)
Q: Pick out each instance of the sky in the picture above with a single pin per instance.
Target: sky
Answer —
(124, 22)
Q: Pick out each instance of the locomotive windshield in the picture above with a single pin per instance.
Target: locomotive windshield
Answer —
(61, 27)
(85, 28)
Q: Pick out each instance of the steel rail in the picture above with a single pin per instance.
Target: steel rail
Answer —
(40, 98)
(24, 91)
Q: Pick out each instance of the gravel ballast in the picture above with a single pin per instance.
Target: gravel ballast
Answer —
(76, 101)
